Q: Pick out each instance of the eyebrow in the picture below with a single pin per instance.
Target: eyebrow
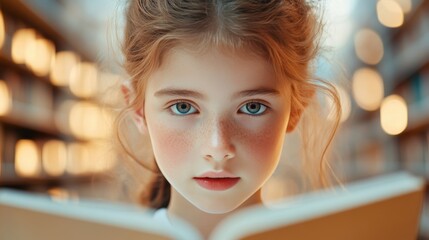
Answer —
(178, 92)
(258, 91)
(193, 94)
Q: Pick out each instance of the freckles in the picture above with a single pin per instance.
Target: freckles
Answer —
(263, 145)
(171, 146)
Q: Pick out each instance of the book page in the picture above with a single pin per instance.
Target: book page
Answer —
(29, 216)
(368, 209)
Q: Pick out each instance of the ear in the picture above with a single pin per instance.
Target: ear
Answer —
(137, 114)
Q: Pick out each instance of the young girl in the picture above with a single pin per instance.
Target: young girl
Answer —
(216, 85)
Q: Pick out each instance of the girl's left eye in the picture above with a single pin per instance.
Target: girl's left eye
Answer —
(253, 108)
(182, 108)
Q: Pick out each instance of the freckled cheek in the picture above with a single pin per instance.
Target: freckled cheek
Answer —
(171, 146)
(263, 145)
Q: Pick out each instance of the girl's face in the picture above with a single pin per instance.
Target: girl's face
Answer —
(217, 124)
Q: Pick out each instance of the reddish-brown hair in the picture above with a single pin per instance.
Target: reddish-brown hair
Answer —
(285, 32)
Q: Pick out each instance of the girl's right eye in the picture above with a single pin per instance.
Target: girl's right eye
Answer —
(182, 108)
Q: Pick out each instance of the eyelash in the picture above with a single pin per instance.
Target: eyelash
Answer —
(173, 108)
(170, 107)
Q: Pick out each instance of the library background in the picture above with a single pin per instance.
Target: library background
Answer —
(58, 59)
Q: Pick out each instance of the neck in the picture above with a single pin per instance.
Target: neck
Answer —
(183, 209)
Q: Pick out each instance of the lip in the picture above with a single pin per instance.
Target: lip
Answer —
(217, 181)
(221, 174)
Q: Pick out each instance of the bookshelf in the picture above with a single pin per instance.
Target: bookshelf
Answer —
(404, 68)
(48, 85)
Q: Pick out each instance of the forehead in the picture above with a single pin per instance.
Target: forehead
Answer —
(184, 66)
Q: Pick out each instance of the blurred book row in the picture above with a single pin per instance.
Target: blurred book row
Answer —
(53, 119)
(388, 64)
(387, 61)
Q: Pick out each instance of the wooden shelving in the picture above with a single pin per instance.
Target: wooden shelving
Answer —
(28, 182)
(405, 62)
(405, 72)
(44, 127)
(35, 113)
(26, 11)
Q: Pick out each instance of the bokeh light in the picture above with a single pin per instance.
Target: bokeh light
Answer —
(21, 44)
(83, 81)
(27, 158)
(77, 157)
(39, 57)
(88, 121)
(101, 159)
(390, 13)
(406, 5)
(369, 46)
(368, 88)
(59, 194)
(394, 115)
(54, 157)
(2, 30)
(61, 72)
(5, 98)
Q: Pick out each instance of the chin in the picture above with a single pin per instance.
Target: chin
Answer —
(217, 208)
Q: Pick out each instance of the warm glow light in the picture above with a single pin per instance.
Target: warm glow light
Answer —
(61, 71)
(22, 43)
(31, 52)
(39, 56)
(87, 121)
(62, 116)
(368, 89)
(406, 5)
(101, 158)
(83, 82)
(54, 157)
(2, 30)
(390, 13)
(59, 194)
(5, 98)
(394, 115)
(78, 156)
(368, 46)
(27, 158)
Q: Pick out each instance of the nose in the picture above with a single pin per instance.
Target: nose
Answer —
(218, 147)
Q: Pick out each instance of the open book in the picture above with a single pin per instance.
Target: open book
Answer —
(384, 207)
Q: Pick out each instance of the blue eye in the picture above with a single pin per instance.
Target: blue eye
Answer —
(182, 108)
(253, 108)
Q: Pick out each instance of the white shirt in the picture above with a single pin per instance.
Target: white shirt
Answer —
(178, 231)
(162, 216)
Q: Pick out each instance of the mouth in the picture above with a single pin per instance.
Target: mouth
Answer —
(217, 181)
